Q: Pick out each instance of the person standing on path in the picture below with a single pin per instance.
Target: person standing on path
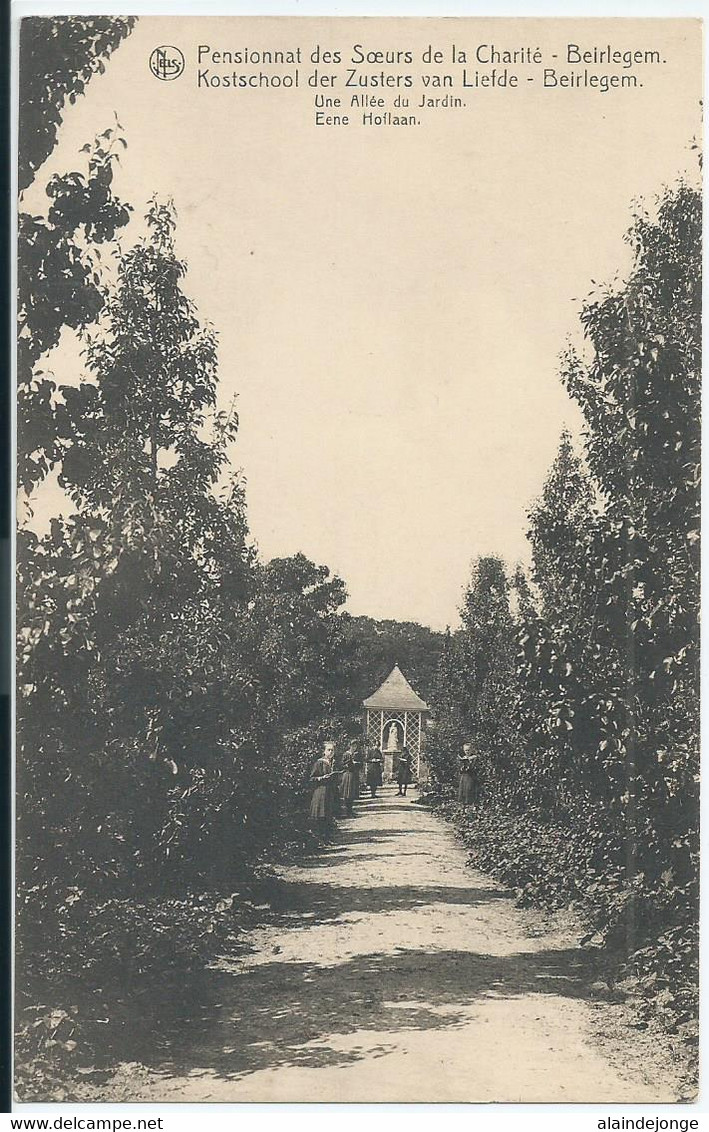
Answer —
(322, 803)
(403, 771)
(336, 766)
(374, 771)
(349, 785)
(469, 776)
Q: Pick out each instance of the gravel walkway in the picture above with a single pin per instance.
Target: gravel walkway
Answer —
(391, 971)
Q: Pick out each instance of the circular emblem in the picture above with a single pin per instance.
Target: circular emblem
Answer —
(167, 63)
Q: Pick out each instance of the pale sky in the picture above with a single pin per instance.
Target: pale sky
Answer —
(391, 303)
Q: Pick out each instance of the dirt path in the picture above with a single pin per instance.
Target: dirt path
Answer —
(393, 972)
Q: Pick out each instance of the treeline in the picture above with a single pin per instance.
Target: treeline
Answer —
(579, 679)
(172, 687)
(374, 647)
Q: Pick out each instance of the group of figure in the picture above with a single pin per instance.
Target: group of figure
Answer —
(338, 788)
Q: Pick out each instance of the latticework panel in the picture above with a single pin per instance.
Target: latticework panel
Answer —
(413, 732)
(374, 728)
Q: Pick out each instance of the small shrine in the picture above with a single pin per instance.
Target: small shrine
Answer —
(396, 718)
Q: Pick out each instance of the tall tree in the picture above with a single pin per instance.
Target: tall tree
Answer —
(639, 392)
(476, 676)
(560, 524)
(294, 635)
(128, 606)
(561, 662)
(487, 645)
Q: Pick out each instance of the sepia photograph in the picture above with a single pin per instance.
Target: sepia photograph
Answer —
(357, 559)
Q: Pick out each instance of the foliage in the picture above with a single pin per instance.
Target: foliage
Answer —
(578, 863)
(475, 678)
(372, 648)
(59, 286)
(293, 631)
(596, 762)
(58, 57)
(92, 949)
(171, 687)
(58, 259)
(45, 1051)
(117, 683)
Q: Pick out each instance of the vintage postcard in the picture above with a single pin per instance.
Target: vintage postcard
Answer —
(357, 676)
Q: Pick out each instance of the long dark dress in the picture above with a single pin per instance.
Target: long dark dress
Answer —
(468, 783)
(321, 803)
(374, 771)
(403, 770)
(349, 784)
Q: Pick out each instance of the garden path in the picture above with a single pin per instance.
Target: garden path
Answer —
(390, 970)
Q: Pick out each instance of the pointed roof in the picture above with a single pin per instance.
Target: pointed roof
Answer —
(396, 694)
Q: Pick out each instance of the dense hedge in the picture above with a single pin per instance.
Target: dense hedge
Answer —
(84, 958)
(647, 929)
